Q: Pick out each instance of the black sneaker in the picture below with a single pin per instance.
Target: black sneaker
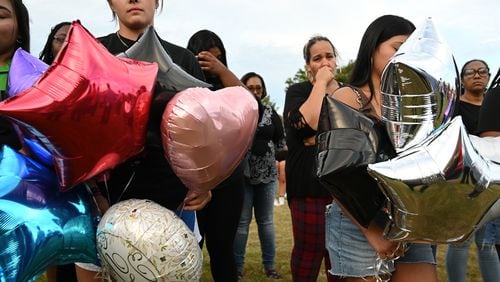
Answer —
(271, 273)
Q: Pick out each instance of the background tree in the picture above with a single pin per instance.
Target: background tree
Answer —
(300, 76)
(267, 101)
(344, 72)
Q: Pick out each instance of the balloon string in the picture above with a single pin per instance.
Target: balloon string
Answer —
(182, 209)
(126, 186)
(382, 273)
(382, 265)
(91, 192)
(106, 187)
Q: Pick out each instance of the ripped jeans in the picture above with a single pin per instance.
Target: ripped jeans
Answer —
(487, 257)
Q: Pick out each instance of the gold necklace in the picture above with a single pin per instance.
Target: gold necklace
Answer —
(120, 38)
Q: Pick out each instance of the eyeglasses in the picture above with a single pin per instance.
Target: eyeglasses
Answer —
(483, 72)
(60, 38)
(255, 88)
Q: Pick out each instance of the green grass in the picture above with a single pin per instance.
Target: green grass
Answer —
(282, 220)
(253, 264)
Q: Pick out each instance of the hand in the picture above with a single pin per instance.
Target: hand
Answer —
(196, 200)
(209, 63)
(325, 75)
(386, 249)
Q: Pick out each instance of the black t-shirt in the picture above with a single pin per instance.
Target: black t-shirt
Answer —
(470, 115)
(150, 174)
(489, 117)
(300, 166)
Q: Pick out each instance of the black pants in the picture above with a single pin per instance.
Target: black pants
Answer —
(218, 223)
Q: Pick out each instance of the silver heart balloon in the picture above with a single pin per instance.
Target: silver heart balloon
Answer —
(171, 77)
(419, 86)
(441, 190)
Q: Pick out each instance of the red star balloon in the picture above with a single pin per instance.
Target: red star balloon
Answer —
(89, 108)
(206, 134)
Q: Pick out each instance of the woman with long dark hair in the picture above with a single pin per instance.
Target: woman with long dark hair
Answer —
(366, 245)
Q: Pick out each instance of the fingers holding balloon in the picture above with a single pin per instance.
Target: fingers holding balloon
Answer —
(196, 200)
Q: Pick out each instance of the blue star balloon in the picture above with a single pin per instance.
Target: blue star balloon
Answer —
(171, 77)
(39, 225)
(37, 151)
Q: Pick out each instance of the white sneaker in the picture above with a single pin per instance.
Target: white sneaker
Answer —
(276, 202)
(281, 201)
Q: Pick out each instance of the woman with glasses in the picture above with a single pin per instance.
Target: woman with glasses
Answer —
(261, 177)
(475, 75)
(54, 42)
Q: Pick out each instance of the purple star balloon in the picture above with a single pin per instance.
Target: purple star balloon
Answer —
(24, 71)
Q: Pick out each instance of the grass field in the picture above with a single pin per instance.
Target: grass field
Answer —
(253, 265)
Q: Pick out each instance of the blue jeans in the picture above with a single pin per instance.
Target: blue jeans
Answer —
(457, 254)
(260, 198)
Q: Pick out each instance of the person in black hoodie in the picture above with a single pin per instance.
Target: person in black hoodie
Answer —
(219, 220)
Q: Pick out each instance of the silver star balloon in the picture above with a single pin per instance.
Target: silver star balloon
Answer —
(441, 190)
(488, 147)
(419, 86)
(171, 77)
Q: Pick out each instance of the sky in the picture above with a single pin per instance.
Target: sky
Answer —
(267, 36)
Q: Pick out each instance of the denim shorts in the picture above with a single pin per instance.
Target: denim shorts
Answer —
(352, 256)
(492, 232)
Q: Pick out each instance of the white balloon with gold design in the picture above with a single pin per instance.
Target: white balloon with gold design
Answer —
(139, 240)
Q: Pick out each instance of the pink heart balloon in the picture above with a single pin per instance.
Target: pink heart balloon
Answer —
(206, 134)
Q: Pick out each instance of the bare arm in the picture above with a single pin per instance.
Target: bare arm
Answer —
(347, 96)
(324, 83)
(490, 134)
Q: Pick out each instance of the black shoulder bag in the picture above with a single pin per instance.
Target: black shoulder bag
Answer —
(347, 141)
